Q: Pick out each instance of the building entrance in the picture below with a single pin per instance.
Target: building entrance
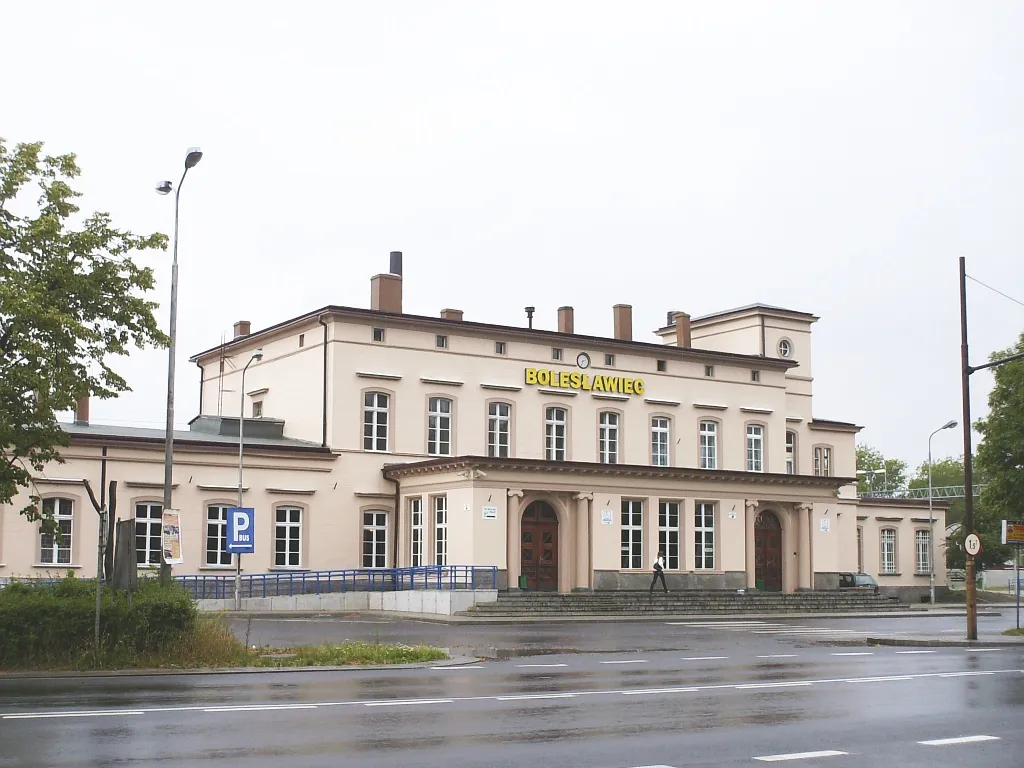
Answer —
(539, 546)
(768, 552)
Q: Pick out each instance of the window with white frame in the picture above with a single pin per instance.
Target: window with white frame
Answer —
(499, 429)
(704, 535)
(375, 421)
(755, 448)
(555, 422)
(822, 461)
(55, 548)
(709, 445)
(659, 441)
(608, 438)
(439, 426)
(288, 537)
(257, 409)
(375, 539)
(440, 530)
(217, 535)
(923, 548)
(888, 551)
(790, 453)
(632, 533)
(668, 533)
(416, 528)
(148, 532)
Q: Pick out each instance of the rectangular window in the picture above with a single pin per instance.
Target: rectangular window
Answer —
(755, 448)
(609, 360)
(556, 353)
(704, 536)
(217, 535)
(439, 426)
(662, 366)
(440, 530)
(378, 335)
(923, 547)
(55, 549)
(375, 539)
(288, 537)
(791, 453)
(499, 348)
(659, 441)
(823, 461)
(302, 339)
(608, 438)
(554, 433)
(888, 561)
(860, 549)
(755, 375)
(709, 371)
(632, 534)
(416, 527)
(709, 445)
(498, 429)
(442, 341)
(257, 409)
(148, 533)
(375, 421)
(668, 533)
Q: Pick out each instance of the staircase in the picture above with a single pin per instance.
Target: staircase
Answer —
(691, 603)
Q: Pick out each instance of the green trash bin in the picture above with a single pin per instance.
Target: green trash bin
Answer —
(522, 582)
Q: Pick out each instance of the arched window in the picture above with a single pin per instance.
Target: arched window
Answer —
(376, 420)
(555, 433)
(499, 429)
(608, 437)
(439, 426)
(887, 563)
(790, 452)
(660, 441)
(55, 549)
(709, 444)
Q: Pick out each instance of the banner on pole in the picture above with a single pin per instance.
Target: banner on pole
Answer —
(171, 536)
(1013, 532)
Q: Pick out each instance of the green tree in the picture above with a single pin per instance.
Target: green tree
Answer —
(71, 299)
(871, 460)
(948, 472)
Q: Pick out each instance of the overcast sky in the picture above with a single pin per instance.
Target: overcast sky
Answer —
(834, 158)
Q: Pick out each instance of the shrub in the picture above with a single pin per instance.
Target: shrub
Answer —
(43, 625)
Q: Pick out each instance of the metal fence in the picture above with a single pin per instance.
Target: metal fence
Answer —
(441, 577)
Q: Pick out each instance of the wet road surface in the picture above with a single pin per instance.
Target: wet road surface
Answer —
(884, 706)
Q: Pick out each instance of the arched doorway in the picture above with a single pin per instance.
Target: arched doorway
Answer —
(539, 547)
(768, 552)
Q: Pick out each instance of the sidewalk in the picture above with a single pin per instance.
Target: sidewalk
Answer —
(985, 640)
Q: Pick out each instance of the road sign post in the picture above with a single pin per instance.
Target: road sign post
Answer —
(1013, 533)
(241, 541)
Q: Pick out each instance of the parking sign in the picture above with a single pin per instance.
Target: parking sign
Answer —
(241, 530)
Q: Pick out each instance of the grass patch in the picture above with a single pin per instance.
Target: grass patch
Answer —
(1018, 632)
(349, 653)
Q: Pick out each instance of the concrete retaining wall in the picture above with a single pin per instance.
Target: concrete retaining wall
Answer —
(442, 602)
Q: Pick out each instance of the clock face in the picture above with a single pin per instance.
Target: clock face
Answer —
(583, 360)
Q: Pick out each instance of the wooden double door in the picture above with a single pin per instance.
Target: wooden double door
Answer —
(539, 547)
(768, 552)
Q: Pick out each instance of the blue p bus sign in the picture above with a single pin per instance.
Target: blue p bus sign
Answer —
(241, 530)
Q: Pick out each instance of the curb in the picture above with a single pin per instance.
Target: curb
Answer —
(922, 642)
(454, 661)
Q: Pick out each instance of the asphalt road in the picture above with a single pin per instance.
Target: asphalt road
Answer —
(883, 706)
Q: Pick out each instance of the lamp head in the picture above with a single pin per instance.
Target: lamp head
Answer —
(164, 187)
(192, 158)
(257, 355)
(949, 424)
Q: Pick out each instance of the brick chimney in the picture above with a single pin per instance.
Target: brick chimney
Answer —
(451, 314)
(242, 328)
(623, 315)
(386, 293)
(82, 411)
(681, 321)
(565, 320)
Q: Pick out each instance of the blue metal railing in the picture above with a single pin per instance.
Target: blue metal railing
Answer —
(288, 584)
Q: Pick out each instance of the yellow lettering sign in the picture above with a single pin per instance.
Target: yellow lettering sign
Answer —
(584, 382)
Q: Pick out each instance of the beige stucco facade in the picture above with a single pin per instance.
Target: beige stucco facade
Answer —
(361, 419)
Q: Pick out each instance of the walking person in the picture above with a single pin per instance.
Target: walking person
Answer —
(659, 573)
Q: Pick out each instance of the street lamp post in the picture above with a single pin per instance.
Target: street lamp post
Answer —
(931, 516)
(257, 355)
(192, 158)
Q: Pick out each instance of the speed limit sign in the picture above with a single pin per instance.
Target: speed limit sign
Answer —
(972, 544)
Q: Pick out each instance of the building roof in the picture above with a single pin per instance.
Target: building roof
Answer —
(539, 334)
(757, 307)
(835, 426)
(93, 433)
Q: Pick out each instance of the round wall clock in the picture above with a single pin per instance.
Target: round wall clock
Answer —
(583, 360)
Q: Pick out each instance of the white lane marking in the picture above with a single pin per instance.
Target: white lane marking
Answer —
(387, 703)
(625, 661)
(653, 691)
(403, 702)
(456, 669)
(260, 708)
(723, 623)
(965, 674)
(703, 658)
(808, 631)
(801, 756)
(749, 686)
(526, 696)
(778, 656)
(48, 715)
(878, 679)
(906, 652)
(958, 740)
(855, 653)
(539, 666)
(982, 650)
